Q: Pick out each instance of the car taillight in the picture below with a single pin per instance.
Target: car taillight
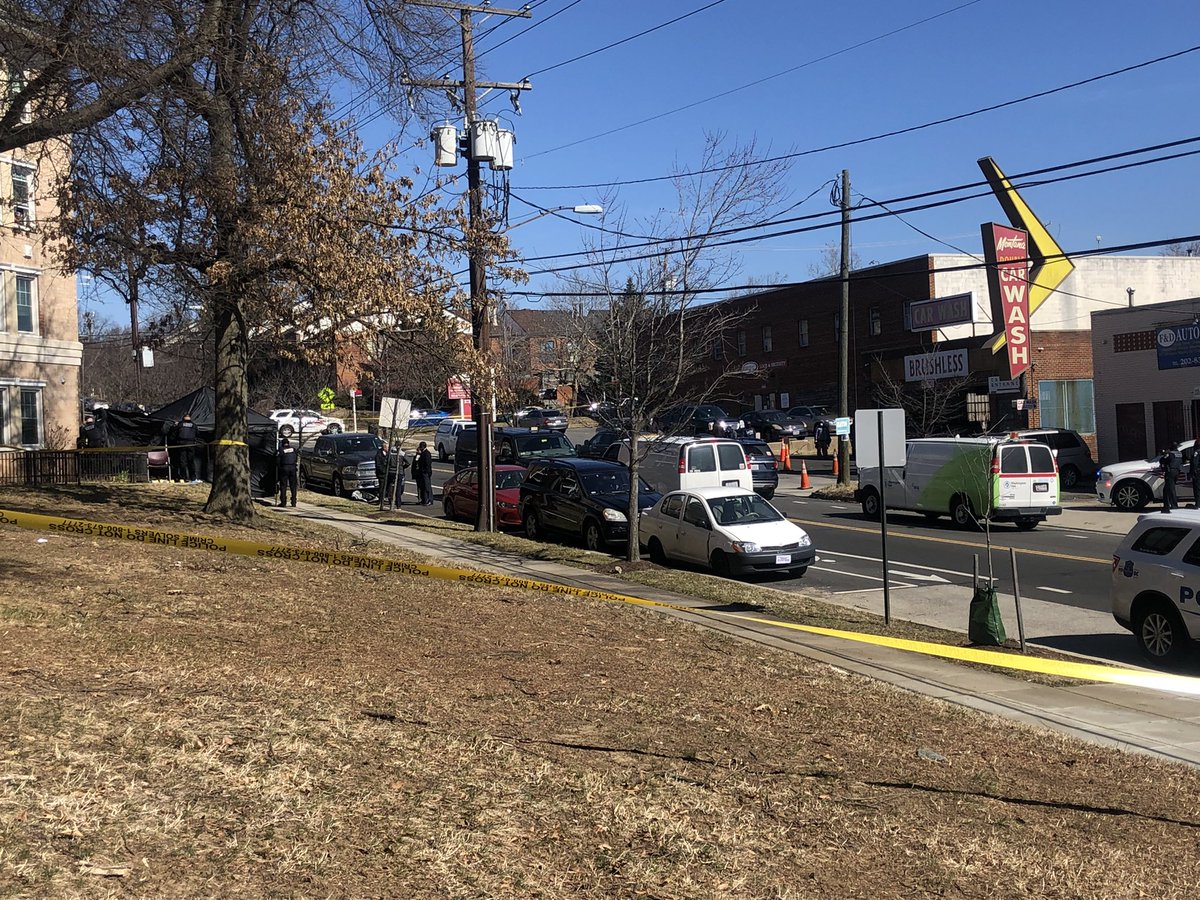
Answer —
(682, 462)
(996, 464)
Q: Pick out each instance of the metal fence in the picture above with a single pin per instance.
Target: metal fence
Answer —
(39, 467)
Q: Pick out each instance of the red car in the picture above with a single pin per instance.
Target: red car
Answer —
(460, 495)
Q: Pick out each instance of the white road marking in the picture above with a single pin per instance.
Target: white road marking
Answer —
(1042, 587)
(858, 575)
(874, 590)
(920, 576)
(876, 559)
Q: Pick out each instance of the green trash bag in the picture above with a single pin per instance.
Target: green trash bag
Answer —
(986, 628)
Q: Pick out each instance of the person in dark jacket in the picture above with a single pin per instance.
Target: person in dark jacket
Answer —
(822, 438)
(1170, 469)
(423, 473)
(91, 434)
(287, 459)
(185, 438)
(1194, 472)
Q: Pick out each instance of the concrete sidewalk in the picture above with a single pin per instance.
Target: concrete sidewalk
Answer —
(1139, 719)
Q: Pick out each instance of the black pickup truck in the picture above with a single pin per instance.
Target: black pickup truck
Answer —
(344, 463)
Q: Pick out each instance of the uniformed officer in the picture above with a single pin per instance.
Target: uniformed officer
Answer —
(287, 459)
(186, 437)
(1170, 467)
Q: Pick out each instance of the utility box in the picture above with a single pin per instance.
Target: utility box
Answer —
(445, 145)
(505, 140)
(485, 141)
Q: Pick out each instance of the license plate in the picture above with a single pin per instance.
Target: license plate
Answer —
(1041, 487)
(733, 483)
(782, 559)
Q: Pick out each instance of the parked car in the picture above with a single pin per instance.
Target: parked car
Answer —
(811, 415)
(1155, 586)
(731, 530)
(1132, 485)
(344, 463)
(536, 417)
(706, 419)
(774, 425)
(460, 495)
(968, 479)
(426, 418)
(584, 497)
(305, 421)
(764, 469)
(445, 439)
(594, 447)
(1075, 464)
(518, 446)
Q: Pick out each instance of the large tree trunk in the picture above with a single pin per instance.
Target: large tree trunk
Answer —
(230, 495)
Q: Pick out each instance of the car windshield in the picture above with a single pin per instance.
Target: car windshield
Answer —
(743, 509)
(757, 448)
(610, 481)
(351, 443)
(510, 478)
(545, 445)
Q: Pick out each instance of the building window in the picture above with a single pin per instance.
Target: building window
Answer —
(17, 82)
(837, 325)
(25, 300)
(803, 332)
(548, 347)
(716, 348)
(768, 344)
(876, 321)
(31, 417)
(22, 195)
(741, 343)
(1067, 404)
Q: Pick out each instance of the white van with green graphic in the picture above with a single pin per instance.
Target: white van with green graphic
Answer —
(968, 479)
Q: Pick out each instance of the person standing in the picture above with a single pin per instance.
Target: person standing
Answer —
(423, 473)
(288, 471)
(822, 438)
(186, 436)
(1194, 472)
(1170, 469)
(401, 465)
(385, 472)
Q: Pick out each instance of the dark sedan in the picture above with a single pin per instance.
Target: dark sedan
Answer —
(774, 425)
(550, 419)
(764, 469)
(460, 495)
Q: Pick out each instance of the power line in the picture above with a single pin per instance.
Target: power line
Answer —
(882, 136)
(529, 28)
(788, 71)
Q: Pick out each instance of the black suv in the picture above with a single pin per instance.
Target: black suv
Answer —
(706, 419)
(586, 497)
(518, 446)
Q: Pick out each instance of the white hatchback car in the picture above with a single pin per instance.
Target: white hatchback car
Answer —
(731, 529)
(1155, 589)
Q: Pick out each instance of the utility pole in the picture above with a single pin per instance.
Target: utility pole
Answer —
(844, 336)
(482, 387)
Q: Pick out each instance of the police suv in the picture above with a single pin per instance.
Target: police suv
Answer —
(1156, 584)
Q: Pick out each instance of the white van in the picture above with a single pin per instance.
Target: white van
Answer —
(968, 479)
(684, 463)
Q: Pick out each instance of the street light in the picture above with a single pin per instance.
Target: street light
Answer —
(484, 416)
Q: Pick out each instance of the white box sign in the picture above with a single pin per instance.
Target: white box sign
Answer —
(866, 438)
(932, 366)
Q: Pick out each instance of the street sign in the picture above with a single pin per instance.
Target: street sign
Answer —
(867, 443)
(998, 385)
(1029, 403)
(356, 393)
(394, 413)
(841, 426)
(325, 395)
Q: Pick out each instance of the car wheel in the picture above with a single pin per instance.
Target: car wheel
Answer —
(1131, 495)
(339, 488)
(334, 428)
(1068, 475)
(448, 508)
(657, 554)
(1027, 524)
(303, 478)
(768, 494)
(533, 526)
(870, 504)
(720, 563)
(1160, 633)
(286, 431)
(593, 537)
(960, 512)
(442, 454)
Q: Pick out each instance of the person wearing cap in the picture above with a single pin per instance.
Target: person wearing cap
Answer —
(287, 459)
(423, 473)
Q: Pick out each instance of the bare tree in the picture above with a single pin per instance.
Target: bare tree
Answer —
(643, 325)
(829, 263)
(930, 407)
(1192, 249)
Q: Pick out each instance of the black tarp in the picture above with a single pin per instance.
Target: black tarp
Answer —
(154, 429)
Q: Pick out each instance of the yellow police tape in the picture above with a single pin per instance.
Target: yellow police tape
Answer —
(1063, 668)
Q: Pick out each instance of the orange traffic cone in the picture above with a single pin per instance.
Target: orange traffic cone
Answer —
(835, 465)
(805, 484)
(785, 456)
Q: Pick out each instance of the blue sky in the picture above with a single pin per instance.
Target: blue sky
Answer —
(968, 55)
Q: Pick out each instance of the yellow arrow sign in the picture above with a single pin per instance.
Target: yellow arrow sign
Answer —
(1050, 266)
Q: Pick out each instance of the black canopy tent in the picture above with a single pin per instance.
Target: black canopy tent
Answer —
(155, 429)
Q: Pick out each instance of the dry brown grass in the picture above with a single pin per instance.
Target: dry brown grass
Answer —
(206, 726)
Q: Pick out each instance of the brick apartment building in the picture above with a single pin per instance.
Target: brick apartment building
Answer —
(40, 353)
(784, 347)
(540, 342)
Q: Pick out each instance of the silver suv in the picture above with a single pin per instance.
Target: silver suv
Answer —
(1155, 590)
(1075, 464)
